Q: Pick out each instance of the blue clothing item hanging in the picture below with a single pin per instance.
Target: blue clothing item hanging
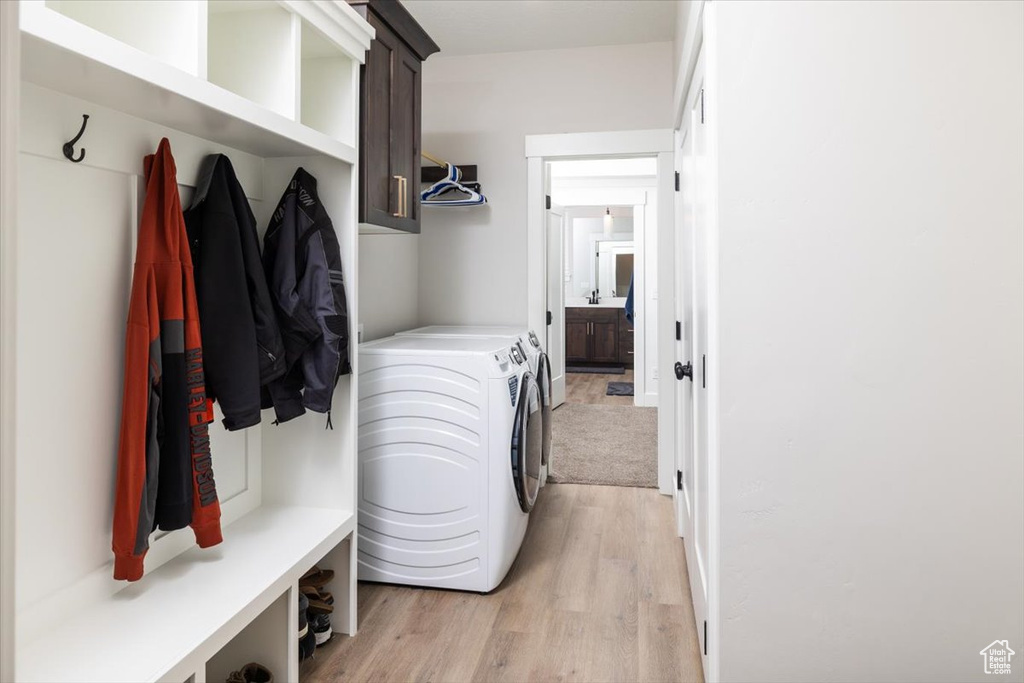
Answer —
(629, 301)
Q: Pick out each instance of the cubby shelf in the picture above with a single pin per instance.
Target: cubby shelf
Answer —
(65, 55)
(176, 618)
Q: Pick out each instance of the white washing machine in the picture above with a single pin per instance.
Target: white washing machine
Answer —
(449, 459)
(528, 343)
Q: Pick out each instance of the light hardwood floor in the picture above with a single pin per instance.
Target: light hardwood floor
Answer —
(598, 593)
(587, 388)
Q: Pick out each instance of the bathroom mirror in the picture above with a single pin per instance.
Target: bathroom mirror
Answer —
(613, 267)
(587, 267)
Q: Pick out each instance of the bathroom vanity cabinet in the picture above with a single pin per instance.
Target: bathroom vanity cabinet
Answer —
(598, 335)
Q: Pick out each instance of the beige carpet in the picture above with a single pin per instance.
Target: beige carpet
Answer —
(612, 445)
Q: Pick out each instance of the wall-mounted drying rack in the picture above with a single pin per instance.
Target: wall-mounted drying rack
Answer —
(431, 174)
(447, 179)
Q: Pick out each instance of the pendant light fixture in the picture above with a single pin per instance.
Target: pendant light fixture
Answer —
(608, 222)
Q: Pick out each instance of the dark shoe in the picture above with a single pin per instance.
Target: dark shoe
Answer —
(251, 673)
(320, 624)
(307, 644)
(316, 577)
(318, 602)
(307, 641)
(303, 608)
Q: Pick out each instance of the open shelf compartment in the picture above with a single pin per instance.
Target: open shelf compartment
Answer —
(168, 30)
(252, 50)
(270, 640)
(329, 86)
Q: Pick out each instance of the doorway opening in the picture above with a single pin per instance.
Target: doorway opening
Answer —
(601, 252)
(602, 200)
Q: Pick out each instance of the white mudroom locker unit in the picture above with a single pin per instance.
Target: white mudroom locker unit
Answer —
(274, 85)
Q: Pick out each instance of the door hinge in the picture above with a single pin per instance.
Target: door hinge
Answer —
(705, 637)
(677, 181)
(702, 105)
(550, 317)
(704, 371)
(547, 198)
(679, 480)
(679, 331)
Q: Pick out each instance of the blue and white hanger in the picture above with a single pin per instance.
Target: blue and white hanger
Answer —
(450, 183)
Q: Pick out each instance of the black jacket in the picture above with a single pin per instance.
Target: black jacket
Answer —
(303, 265)
(242, 344)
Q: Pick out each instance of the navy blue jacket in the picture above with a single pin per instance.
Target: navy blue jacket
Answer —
(302, 261)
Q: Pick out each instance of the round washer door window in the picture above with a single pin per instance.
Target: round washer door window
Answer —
(527, 442)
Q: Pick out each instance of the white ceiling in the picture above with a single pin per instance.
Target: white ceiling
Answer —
(471, 27)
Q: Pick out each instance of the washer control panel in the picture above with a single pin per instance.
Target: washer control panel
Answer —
(534, 340)
(518, 356)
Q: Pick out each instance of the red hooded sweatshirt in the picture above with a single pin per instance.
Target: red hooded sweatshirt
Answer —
(164, 472)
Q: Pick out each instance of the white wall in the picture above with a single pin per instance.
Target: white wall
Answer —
(388, 284)
(871, 166)
(477, 110)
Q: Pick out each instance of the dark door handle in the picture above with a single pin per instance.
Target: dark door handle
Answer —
(684, 370)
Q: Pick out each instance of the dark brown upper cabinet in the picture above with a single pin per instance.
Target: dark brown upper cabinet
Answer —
(389, 116)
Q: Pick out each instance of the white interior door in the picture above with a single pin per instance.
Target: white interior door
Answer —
(685, 494)
(555, 240)
(697, 544)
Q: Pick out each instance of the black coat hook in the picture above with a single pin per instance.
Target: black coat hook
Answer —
(69, 147)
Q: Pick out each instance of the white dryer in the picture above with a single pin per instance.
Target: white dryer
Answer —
(449, 459)
(529, 344)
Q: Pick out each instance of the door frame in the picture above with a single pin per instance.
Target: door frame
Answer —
(10, 109)
(539, 149)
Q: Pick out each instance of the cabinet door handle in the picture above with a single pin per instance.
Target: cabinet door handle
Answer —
(398, 214)
(403, 199)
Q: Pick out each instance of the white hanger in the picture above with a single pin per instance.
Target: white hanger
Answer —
(430, 196)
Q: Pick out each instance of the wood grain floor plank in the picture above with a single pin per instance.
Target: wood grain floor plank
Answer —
(527, 592)
(576, 573)
(613, 650)
(619, 537)
(508, 656)
(665, 654)
(661, 555)
(563, 657)
(469, 620)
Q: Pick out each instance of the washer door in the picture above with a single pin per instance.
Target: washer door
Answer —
(544, 380)
(527, 442)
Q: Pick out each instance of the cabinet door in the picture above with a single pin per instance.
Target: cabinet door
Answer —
(405, 138)
(577, 341)
(605, 340)
(377, 189)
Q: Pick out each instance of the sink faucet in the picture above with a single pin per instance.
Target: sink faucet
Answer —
(594, 298)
